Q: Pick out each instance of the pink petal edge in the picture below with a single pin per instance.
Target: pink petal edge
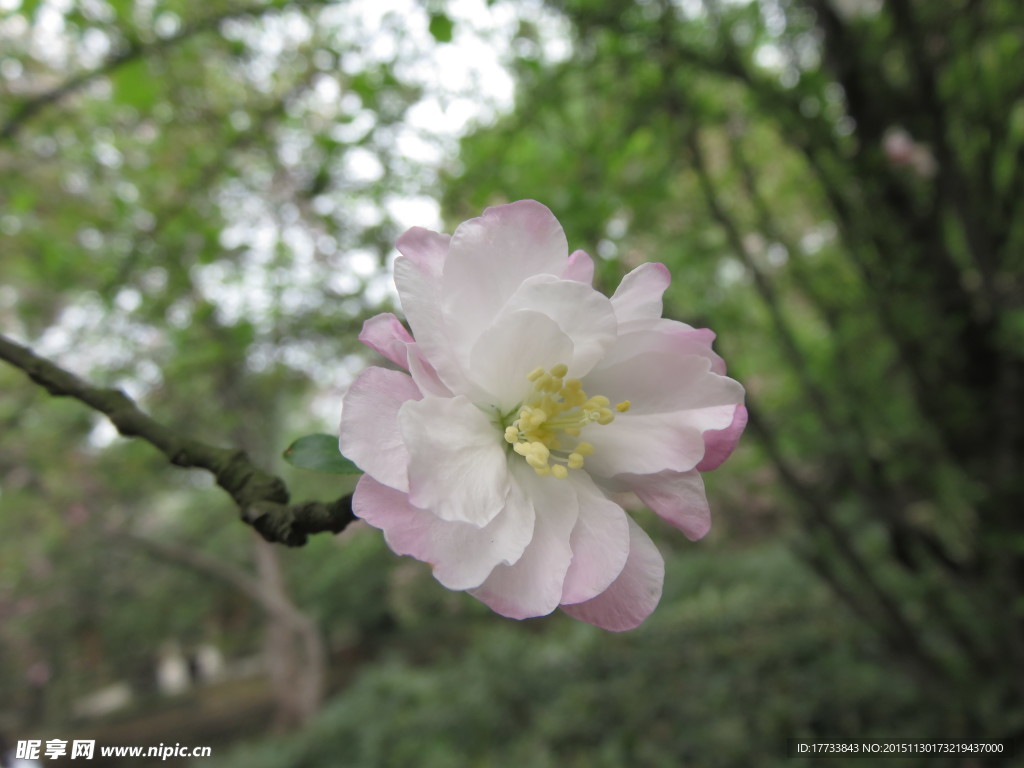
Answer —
(634, 595)
(678, 498)
(580, 268)
(426, 248)
(720, 443)
(384, 333)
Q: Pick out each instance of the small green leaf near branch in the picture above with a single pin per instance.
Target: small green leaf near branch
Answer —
(319, 453)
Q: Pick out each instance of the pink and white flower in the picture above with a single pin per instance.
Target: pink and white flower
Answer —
(532, 405)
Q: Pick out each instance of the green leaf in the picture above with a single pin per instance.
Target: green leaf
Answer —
(441, 27)
(319, 453)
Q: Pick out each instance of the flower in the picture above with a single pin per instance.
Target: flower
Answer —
(533, 407)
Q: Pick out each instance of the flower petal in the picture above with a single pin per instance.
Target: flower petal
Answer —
(678, 498)
(634, 594)
(719, 443)
(583, 314)
(533, 585)
(369, 433)
(423, 373)
(509, 350)
(457, 465)
(656, 383)
(580, 268)
(385, 334)
(461, 554)
(645, 444)
(419, 294)
(669, 338)
(600, 542)
(637, 300)
(491, 256)
(426, 248)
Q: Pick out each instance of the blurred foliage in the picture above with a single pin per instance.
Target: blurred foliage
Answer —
(745, 651)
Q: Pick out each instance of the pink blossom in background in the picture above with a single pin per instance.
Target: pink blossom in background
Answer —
(531, 404)
(902, 151)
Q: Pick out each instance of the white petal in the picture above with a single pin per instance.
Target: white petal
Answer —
(423, 373)
(533, 586)
(669, 338)
(634, 595)
(419, 293)
(462, 555)
(600, 542)
(637, 300)
(654, 383)
(491, 256)
(370, 434)
(457, 463)
(466, 555)
(583, 314)
(509, 350)
(645, 444)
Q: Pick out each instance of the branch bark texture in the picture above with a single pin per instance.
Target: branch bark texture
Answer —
(262, 498)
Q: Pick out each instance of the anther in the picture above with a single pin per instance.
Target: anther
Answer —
(556, 409)
(536, 462)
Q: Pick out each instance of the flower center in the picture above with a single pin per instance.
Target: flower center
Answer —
(547, 427)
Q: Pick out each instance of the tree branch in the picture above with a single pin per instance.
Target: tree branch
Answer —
(888, 617)
(262, 498)
(787, 341)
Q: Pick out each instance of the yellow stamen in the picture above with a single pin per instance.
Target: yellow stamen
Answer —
(557, 409)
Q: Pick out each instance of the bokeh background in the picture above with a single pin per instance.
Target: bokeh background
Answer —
(198, 204)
